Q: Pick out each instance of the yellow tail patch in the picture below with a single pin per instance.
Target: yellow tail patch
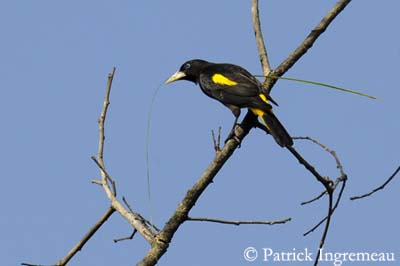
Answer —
(221, 79)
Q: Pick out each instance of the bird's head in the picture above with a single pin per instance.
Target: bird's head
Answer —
(190, 71)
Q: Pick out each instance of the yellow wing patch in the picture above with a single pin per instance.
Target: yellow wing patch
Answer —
(263, 97)
(222, 80)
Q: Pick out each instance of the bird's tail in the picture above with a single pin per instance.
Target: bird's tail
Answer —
(275, 128)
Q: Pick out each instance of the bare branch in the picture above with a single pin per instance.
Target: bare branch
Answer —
(315, 198)
(131, 217)
(86, 238)
(306, 44)
(324, 180)
(336, 183)
(262, 51)
(108, 177)
(217, 140)
(203, 219)
(339, 166)
(326, 229)
(327, 149)
(330, 188)
(378, 188)
(97, 182)
(333, 209)
(30, 264)
(82, 242)
(126, 238)
(342, 179)
(164, 237)
(102, 118)
(139, 215)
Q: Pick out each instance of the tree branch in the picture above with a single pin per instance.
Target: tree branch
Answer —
(86, 238)
(378, 188)
(330, 188)
(324, 180)
(262, 51)
(164, 237)
(212, 220)
(305, 45)
(126, 238)
(110, 210)
(131, 217)
(78, 247)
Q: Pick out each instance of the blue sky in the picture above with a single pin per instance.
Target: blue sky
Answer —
(55, 56)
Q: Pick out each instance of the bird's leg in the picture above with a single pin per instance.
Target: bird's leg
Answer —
(232, 132)
(236, 112)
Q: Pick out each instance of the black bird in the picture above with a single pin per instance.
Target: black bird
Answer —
(235, 88)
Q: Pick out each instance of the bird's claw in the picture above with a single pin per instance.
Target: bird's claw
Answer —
(234, 137)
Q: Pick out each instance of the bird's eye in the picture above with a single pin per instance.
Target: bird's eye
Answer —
(187, 65)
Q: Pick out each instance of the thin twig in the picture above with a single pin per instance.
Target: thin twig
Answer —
(330, 188)
(306, 44)
(133, 219)
(314, 199)
(336, 183)
(108, 177)
(126, 238)
(262, 51)
(139, 215)
(110, 210)
(82, 242)
(327, 149)
(102, 117)
(333, 209)
(30, 264)
(164, 237)
(324, 180)
(326, 229)
(97, 182)
(341, 179)
(339, 166)
(203, 219)
(378, 188)
(217, 140)
(86, 238)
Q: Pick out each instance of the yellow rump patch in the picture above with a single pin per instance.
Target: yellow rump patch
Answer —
(257, 112)
(260, 113)
(221, 79)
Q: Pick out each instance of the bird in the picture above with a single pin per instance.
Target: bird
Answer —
(236, 88)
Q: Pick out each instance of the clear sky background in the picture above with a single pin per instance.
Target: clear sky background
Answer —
(55, 57)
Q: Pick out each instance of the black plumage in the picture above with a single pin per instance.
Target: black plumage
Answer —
(235, 88)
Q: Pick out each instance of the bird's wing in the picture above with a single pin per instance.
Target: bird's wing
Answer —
(232, 85)
(225, 79)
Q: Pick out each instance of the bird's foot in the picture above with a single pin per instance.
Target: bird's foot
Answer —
(234, 137)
